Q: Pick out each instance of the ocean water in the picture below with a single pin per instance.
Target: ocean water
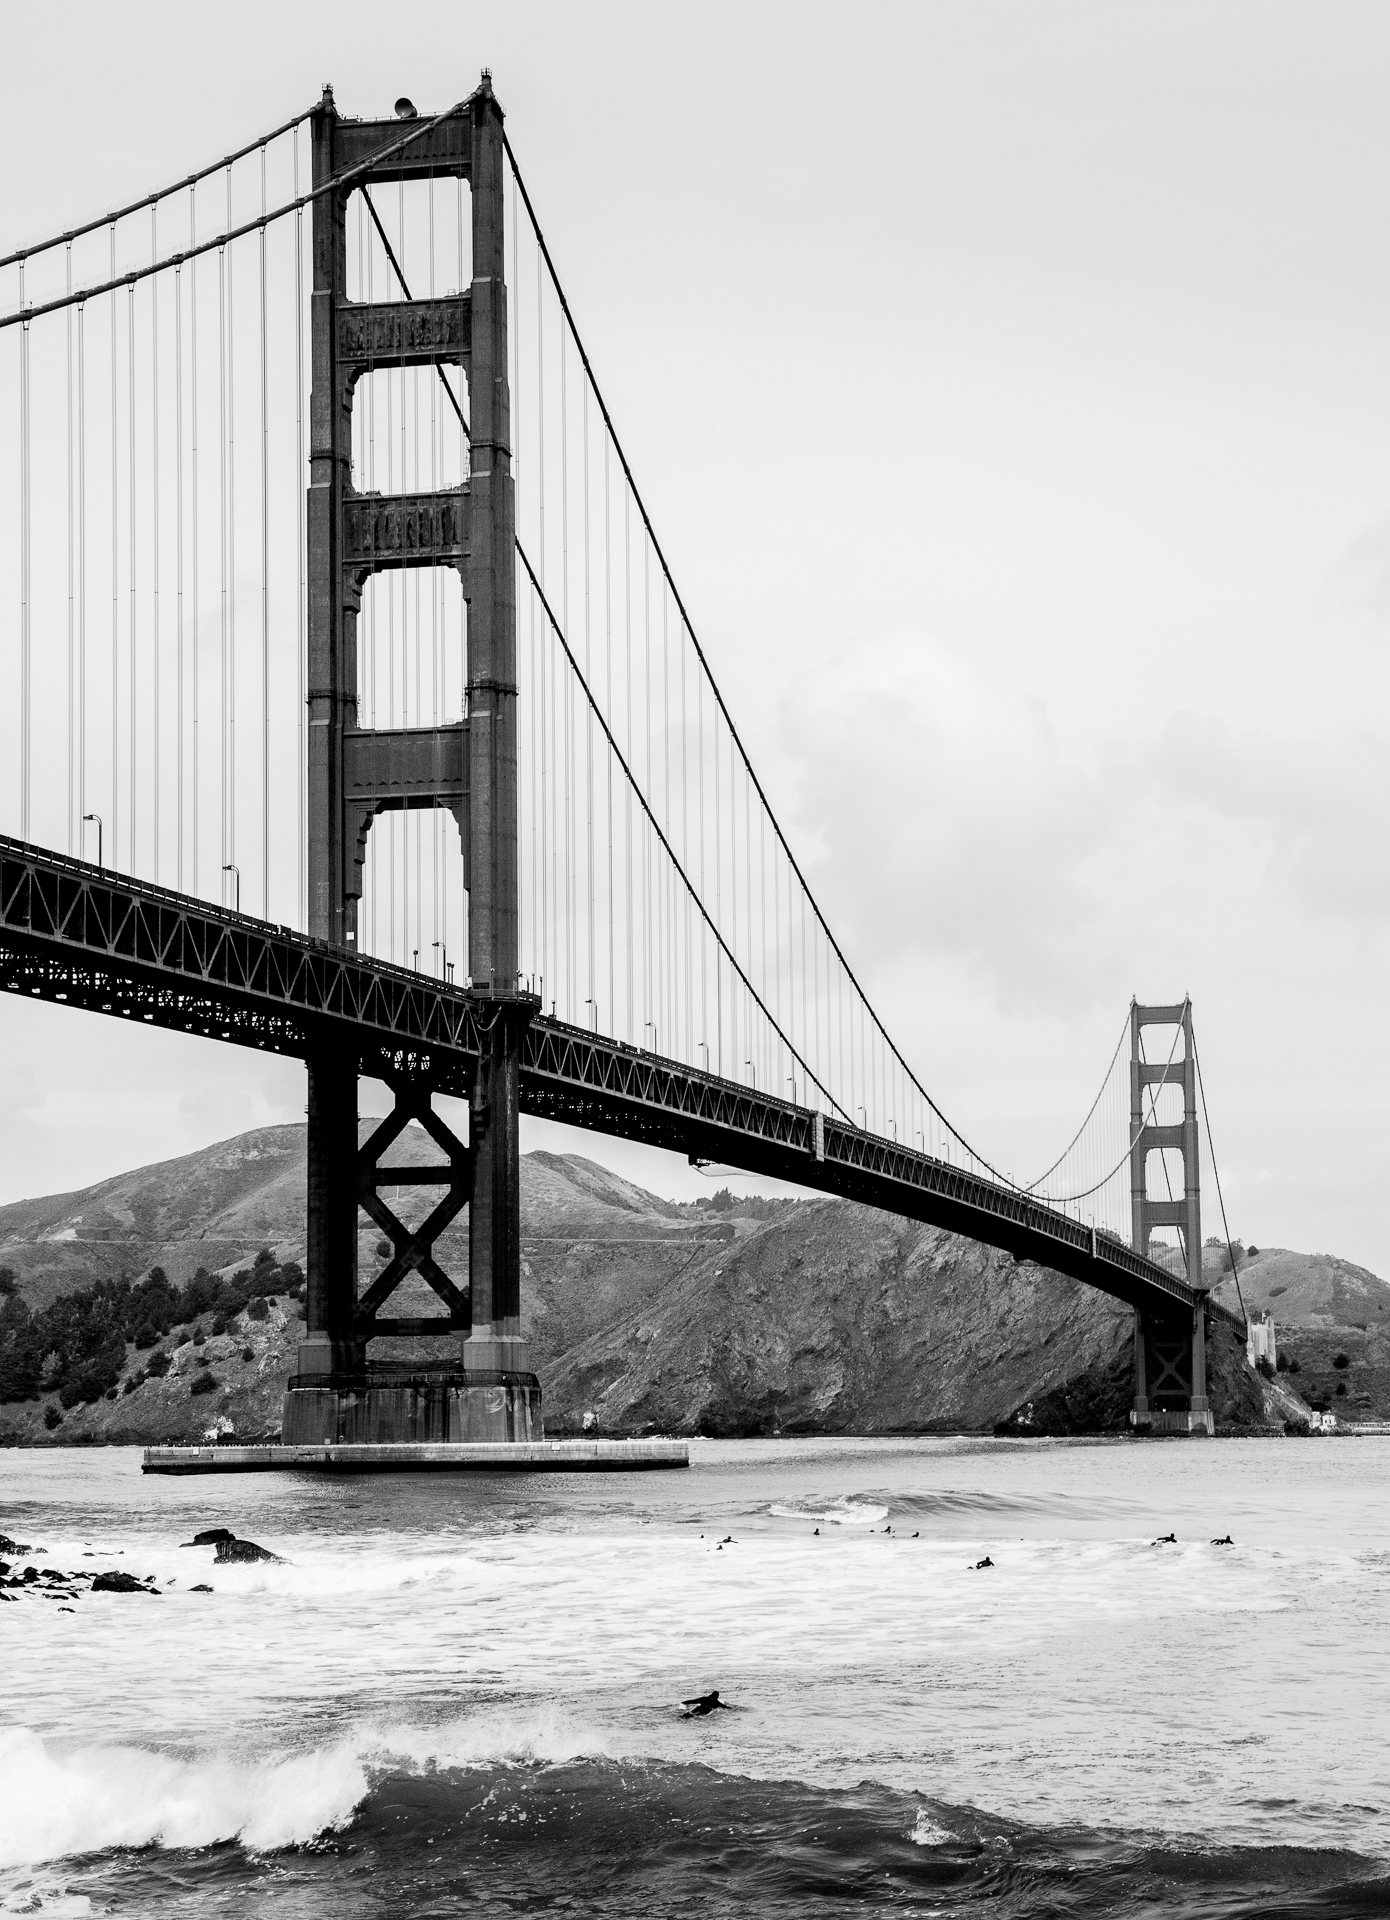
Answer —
(461, 1695)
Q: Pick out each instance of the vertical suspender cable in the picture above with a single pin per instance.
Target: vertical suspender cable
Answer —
(115, 581)
(193, 771)
(231, 538)
(154, 495)
(647, 1008)
(608, 703)
(547, 764)
(588, 717)
(568, 702)
(704, 943)
(627, 785)
(418, 648)
(668, 1007)
(685, 862)
(178, 567)
(131, 529)
(301, 777)
(222, 546)
(733, 905)
(24, 715)
(265, 578)
(372, 840)
(434, 602)
(73, 815)
(81, 563)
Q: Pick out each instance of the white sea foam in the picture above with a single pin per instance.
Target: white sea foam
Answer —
(56, 1803)
(520, 1627)
(836, 1513)
(927, 1832)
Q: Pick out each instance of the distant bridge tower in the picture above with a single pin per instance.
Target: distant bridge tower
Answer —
(484, 1389)
(1170, 1366)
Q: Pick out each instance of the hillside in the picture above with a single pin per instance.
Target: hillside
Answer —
(1332, 1325)
(731, 1315)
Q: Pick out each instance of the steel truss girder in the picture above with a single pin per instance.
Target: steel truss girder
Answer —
(72, 933)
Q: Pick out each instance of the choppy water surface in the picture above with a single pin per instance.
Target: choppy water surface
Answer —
(460, 1694)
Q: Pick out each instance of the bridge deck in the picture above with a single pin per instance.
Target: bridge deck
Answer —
(72, 933)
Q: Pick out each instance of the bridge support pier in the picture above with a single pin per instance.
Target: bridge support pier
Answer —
(1170, 1353)
(1170, 1374)
(485, 1390)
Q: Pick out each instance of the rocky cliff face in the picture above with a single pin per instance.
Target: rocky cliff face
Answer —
(727, 1317)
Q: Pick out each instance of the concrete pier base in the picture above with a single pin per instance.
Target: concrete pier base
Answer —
(434, 1407)
(1167, 1420)
(504, 1456)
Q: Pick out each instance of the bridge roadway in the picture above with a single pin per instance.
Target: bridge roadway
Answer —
(73, 933)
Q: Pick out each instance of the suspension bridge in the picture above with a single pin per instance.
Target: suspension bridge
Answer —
(353, 713)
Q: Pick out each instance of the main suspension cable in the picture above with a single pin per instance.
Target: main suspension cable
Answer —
(362, 170)
(850, 975)
(152, 199)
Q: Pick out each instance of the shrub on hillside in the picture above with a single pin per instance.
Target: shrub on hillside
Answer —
(257, 1310)
(76, 1345)
(1342, 1362)
(52, 1418)
(203, 1384)
(158, 1364)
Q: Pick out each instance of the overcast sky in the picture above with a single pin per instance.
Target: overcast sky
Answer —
(1009, 387)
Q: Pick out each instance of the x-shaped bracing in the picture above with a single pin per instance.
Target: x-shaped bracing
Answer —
(413, 1249)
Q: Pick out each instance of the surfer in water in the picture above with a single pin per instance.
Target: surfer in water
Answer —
(704, 1703)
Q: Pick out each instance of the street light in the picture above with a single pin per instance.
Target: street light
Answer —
(97, 818)
(594, 1005)
(652, 1025)
(231, 866)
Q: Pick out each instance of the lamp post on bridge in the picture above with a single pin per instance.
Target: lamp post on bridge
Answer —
(231, 867)
(97, 818)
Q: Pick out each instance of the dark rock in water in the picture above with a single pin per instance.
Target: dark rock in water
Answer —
(211, 1537)
(202, 1587)
(12, 1546)
(120, 1583)
(232, 1549)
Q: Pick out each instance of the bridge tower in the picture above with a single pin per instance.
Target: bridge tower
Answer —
(484, 1388)
(1170, 1368)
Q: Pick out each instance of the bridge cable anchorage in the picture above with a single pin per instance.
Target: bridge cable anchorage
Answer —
(1211, 1149)
(363, 169)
